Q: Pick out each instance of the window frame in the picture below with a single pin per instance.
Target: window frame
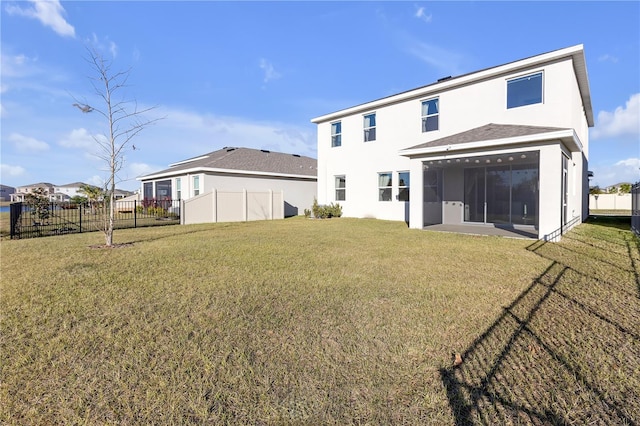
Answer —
(179, 188)
(196, 185)
(424, 118)
(369, 132)
(337, 179)
(522, 78)
(405, 187)
(385, 189)
(336, 138)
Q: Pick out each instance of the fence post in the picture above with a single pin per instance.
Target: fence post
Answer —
(135, 213)
(80, 206)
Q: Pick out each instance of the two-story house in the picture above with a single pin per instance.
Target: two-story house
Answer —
(505, 146)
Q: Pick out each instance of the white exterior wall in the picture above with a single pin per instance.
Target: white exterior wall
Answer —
(398, 126)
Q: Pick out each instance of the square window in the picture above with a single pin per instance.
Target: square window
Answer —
(370, 127)
(403, 186)
(384, 186)
(430, 114)
(336, 134)
(525, 90)
(341, 187)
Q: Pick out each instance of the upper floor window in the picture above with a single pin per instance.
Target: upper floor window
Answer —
(384, 186)
(341, 187)
(525, 90)
(370, 127)
(403, 186)
(430, 114)
(336, 133)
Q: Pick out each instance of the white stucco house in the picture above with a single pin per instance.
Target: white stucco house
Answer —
(506, 146)
(237, 169)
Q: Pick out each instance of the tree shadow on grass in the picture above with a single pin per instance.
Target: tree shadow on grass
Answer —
(565, 351)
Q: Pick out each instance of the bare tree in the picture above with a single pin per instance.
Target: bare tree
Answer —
(124, 121)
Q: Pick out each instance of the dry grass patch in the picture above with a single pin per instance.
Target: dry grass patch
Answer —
(310, 322)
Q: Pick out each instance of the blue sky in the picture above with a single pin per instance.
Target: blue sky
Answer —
(253, 74)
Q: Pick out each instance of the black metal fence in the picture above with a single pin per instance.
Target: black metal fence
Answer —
(69, 218)
(635, 208)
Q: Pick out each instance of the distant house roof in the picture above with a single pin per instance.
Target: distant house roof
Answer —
(489, 132)
(239, 160)
(41, 184)
(72, 185)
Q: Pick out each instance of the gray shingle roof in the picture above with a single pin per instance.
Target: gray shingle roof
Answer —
(250, 160)
(489, 132)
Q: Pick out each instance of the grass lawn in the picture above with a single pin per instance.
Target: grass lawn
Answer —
(340, 321)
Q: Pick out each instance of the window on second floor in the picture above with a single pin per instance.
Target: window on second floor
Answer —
(341, 188)
(384, 186)
(336, 134)
(430, 114)
(525, 90)
(403, 186)
(370, 127)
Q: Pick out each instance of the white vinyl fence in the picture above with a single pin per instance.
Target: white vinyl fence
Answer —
(233, 206)
(610, 202)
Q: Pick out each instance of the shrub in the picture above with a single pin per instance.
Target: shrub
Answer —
(325, 212)
(307, 213)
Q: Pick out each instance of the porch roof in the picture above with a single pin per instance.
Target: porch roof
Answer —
(492, 135)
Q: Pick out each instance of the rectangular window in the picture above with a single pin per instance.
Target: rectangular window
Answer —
(178, 189)
(336, 134)
(384, 186)
(341, 187)
(403, 186)
(196, 185)
(430, 114)
(525, 90)
(148, 190)
(163, 190)
(370, 127)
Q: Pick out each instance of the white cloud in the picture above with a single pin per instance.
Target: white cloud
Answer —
(269, 71)
(78, 138)
(446, 62)
(609, 58)
(17, 65)
(9, 170)
(27, 144)
(622, 171)
(422, 15)
(113, 48)
(49, 13)
(623, 121)
(96, 180)
(103, 44)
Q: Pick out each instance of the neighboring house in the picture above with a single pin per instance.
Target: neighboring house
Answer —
(237, 169)
(504, 146)
(59, 193)
(5, 192)
(22, 191)
(68, 191)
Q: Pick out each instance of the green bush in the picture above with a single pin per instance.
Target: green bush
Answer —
(325, 212)
(307, 213)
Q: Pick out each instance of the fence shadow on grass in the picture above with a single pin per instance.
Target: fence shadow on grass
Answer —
(566, 350)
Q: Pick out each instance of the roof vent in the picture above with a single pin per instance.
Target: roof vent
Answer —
(265, 150)
(230, 149)
(444, 78)
(296, 155)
